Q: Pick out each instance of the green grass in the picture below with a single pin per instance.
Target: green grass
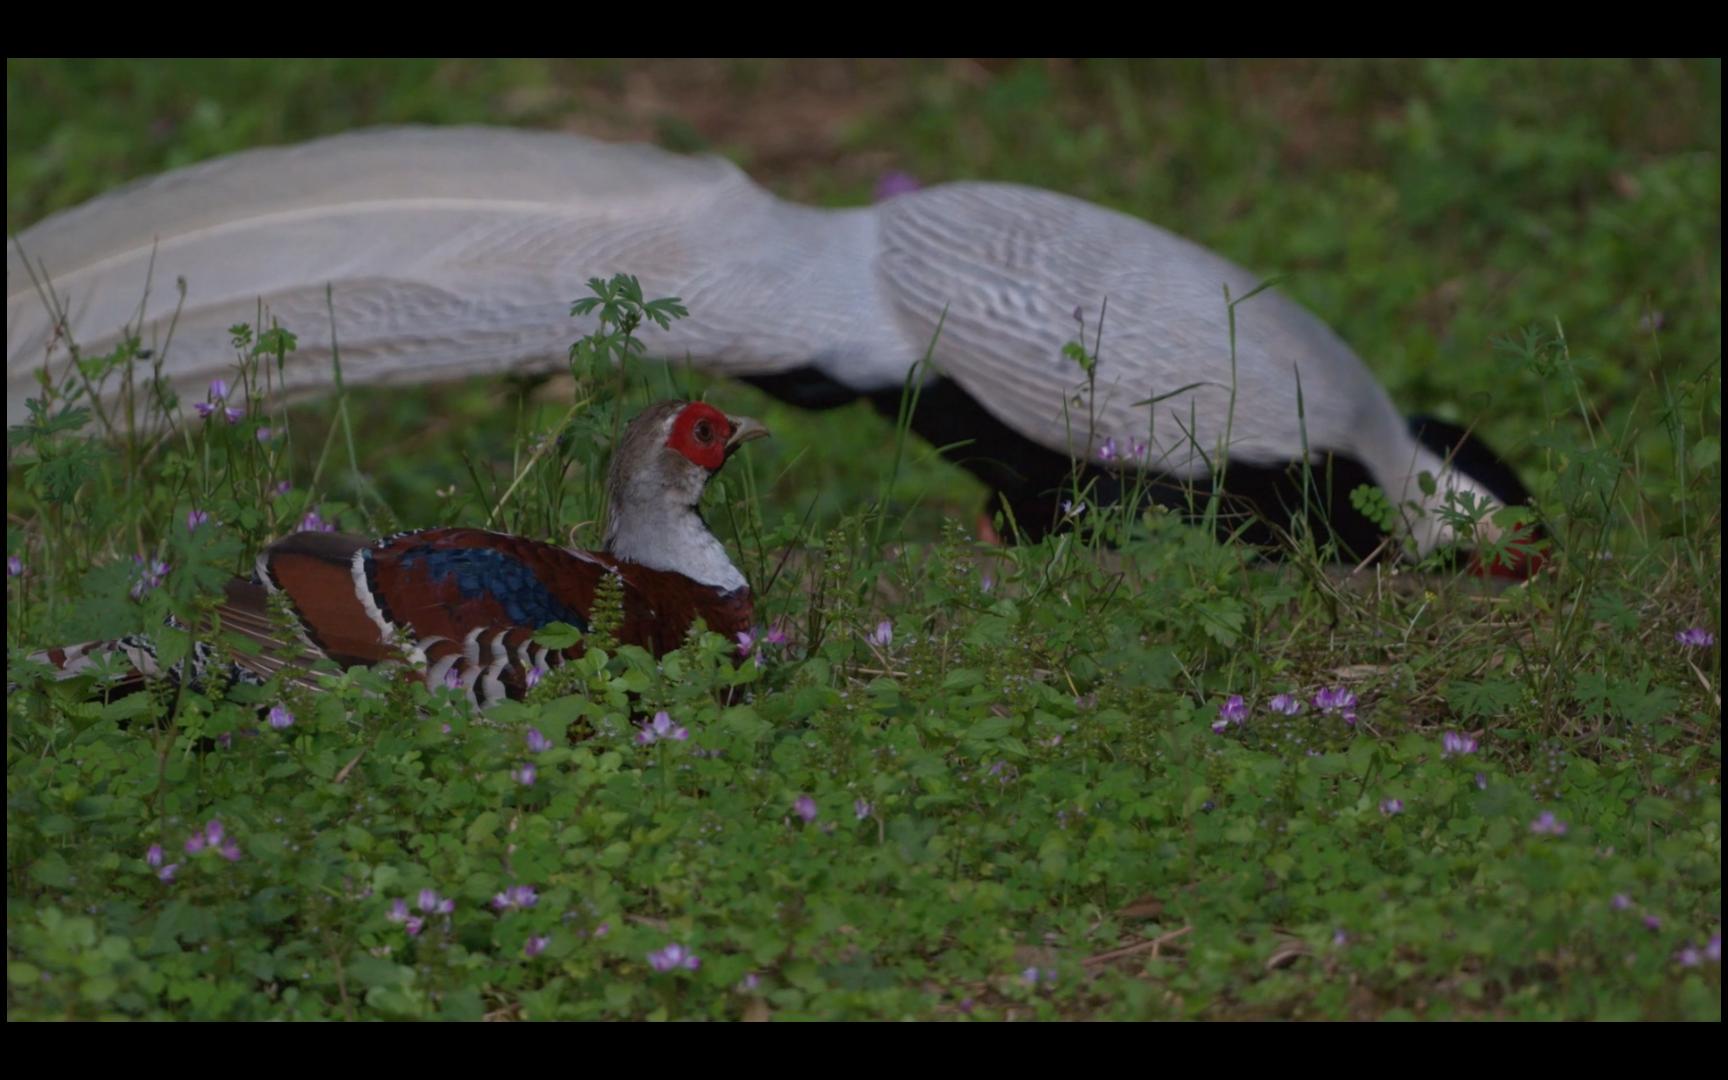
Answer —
(1533, 248)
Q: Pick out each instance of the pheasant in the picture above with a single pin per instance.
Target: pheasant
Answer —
(453, 252)
(464, 604)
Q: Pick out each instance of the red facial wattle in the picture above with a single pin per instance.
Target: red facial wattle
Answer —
(700, 433)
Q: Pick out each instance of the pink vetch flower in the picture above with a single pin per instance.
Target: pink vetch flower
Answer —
(414, 925)
(167, 873)
(1072, 509)
(536, 945)
(1653, 923)
(516, 896)
(1334, 699)
(538, 743)
(746, 642)
(452, 678)
(1107, 451)
(526, 775)
(1621, 902)
(398, 912)
(894, 183)
(1481, 781)
(195, 518)
(432, 904)
(750, 983)
(218, 389)
(1138, 449)
(265, 434)
(1695, 637)
(662, 727)
(1234, 710)
(1390, 807)
(805, 807)
(151, 574)
(14, 566)
(282, 487)
(532, 678)
(1032, 976)
(204, 409)
(775, 636)
(312, 522)
(1453, 744)
(863, 808)
(1690, 956)
(153, 855)
(279, 718)
(1285, 704)
(673, 957)
(883, 635)
(233, 416)
(1546, 824)
(1340, 938)
(1713, 951)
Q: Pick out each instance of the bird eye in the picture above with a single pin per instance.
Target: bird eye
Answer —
(704, 433)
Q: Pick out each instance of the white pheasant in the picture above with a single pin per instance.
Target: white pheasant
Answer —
(451, 252)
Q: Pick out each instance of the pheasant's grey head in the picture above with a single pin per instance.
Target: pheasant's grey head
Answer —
(665, 459)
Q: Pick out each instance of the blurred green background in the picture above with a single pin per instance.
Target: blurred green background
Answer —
(1430, 211)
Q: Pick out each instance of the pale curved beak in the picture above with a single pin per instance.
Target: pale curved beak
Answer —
(744, 430)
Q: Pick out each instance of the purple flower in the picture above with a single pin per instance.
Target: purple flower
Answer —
(313, 523)
(894, 183)
(14, 566)
(194, 843)
(1138, 449)
(151, 574)
(863, 808)
(1696, 637)
(746, 642)
(1349, 717)
(1653, 923)
(204, 409)
(280, 718)
(661, 727)
(195, 518)
(1689, 957)
(415, 925)
(532, 678)
(1713, 951)
(1452, 744)
(1032, 976)
(1481, 781)
(1233, 710)
(230, 851)
(536, 946)
(805, 807)
(153, 855)
(1340, 938)
(538, 743)
(1620, 902)
(218, 389)
(398, 911)
(749, 983)
(1107, 449)
(233, 415)
(775, 636)
(1072, 509)
(1390, 807)
(427, 901)
(516, 896)
(282, 487)
(1219, 727)
(883, 635)
(452, 678)
(1334, 699)
(1286, 704)
(167, 872)
(1546, 824)
(673, 957)
(526, 775)
(264, 434)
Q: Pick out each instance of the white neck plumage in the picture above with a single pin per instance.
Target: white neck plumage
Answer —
(664, 534)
